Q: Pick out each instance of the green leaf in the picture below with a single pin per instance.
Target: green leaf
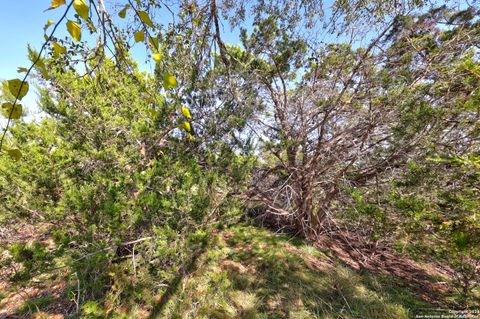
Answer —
(18, 89)
(153, 113)
(74, 30)
(56, 4)
(13, 114)
(41, 65)
(48, 24)
(461, 240)
(123, 12)
(14, 153)
(169, 81)
(187, 126)
(145, 18)
(82, 8)
(58, 49)
(139, 36)
(153, 42)
(186, 112)
(92, 308)
(157, 57)
(22, 69)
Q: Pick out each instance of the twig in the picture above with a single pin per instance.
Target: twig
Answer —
(134, 263)
(77, 301)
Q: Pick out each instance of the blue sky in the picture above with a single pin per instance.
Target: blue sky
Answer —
(21, 23)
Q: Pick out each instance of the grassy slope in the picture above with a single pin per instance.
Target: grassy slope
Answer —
(251, 273)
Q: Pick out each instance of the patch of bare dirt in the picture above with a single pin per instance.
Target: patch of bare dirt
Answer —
(24, 233)
(230, 265)
(311, 261)
(14, 299)
(57, 307)
(358, 254)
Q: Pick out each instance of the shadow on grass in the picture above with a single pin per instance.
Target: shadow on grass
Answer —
(250, 273)
(188, 268)
(382, 262)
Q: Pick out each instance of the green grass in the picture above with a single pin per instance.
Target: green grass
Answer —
(249, 272)
(33, 305)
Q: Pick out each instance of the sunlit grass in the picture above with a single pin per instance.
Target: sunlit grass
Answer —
(251, 273)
